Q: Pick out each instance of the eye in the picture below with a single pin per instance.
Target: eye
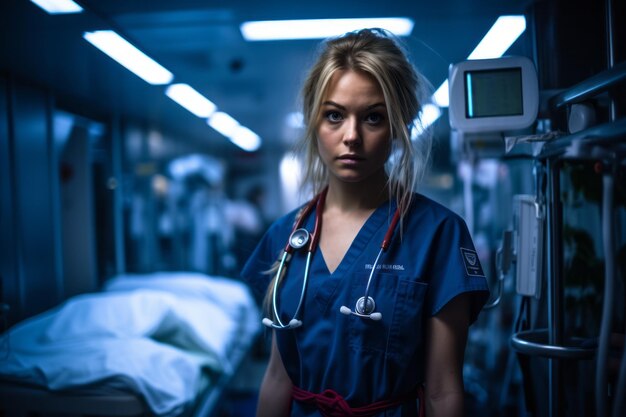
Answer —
(374, 118)
(333, 116)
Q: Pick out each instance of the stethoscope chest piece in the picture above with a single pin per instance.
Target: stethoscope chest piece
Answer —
(299, 238)
(365, 308)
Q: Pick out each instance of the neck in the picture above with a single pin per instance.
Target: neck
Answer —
(357, 196)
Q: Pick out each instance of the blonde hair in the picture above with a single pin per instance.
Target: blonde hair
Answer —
(379, 54)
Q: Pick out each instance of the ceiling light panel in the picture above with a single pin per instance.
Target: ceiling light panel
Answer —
(245, 138)
(129, 56)
(271, 30)
(190, 99)
(223, 123)
(500, 37)
(58, 6)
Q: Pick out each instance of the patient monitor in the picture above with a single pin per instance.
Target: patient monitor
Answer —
(493, 95)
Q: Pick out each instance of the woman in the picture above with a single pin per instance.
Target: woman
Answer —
(330, 356)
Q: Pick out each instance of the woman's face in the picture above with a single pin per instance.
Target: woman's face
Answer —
(353, 134)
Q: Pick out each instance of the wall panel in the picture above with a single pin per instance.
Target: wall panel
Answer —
(9, 283)
(36, 185)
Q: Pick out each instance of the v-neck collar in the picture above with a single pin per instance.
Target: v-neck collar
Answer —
(381, 217)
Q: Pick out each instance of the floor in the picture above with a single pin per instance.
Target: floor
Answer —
(242, 395)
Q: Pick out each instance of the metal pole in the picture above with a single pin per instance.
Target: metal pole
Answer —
(118, 194)
(610, 53)
(555, 286)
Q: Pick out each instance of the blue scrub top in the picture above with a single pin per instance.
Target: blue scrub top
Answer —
(428, 263)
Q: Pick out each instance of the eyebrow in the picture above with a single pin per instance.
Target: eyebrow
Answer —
(339, 106)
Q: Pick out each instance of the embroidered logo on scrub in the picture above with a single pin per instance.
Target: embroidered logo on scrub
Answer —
(471, 262)
(394, 267)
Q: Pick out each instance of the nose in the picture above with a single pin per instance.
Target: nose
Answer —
(351, 134)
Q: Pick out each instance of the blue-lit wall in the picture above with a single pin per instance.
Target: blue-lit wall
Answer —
(30, 257)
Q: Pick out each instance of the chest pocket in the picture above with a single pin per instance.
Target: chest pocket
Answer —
(400, 331)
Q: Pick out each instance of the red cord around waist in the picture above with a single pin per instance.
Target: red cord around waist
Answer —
(331, 404)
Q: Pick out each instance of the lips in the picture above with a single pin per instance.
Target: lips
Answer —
(350, 157)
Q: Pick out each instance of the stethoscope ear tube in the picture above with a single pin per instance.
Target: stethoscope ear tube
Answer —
(266, 321)
(292, 324)
(372, 316)
(362, 308)
(298, 239)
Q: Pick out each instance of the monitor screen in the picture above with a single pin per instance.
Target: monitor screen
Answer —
(491, 93)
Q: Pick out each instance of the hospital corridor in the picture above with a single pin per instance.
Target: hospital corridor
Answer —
(238, 208)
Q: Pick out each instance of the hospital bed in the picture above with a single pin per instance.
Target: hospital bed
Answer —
(162, 344)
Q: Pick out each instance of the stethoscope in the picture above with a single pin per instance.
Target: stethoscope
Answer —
(297, 240)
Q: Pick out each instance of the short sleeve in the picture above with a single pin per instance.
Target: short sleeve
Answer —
(455, 268)
(266, 253)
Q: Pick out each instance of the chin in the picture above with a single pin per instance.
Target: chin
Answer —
(355, 179)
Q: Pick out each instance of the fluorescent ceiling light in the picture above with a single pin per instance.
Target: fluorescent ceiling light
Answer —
(320, 28)
(429, 115)
(241, 136)
(190, 99)
(442, 95)
(494, 44)
(130, 57)
(58, 6)
(500, 37)
(245, 138)
(223, 123)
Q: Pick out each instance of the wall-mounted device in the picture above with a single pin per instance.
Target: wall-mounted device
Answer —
(528, 244)
(493, 95)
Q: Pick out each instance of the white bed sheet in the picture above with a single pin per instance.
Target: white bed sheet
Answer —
(234, 297)
(151, 334)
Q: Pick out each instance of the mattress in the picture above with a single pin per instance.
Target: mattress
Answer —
(151, 344)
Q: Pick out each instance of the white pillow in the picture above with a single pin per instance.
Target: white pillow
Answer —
(233, 296)
(189, 323)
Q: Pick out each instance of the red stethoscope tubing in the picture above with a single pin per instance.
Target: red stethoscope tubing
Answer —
(318, 202)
